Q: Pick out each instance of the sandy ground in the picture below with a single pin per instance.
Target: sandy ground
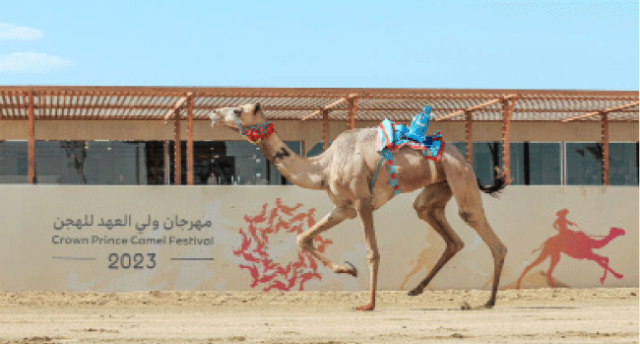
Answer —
(521, 316)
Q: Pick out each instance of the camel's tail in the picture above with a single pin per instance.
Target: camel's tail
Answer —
(499, 183)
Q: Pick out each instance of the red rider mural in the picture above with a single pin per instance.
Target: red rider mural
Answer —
(576, 244)
(257, 238)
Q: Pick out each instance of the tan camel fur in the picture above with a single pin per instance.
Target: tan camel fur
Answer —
(345, 172)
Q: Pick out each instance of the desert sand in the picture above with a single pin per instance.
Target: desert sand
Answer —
(520, 316)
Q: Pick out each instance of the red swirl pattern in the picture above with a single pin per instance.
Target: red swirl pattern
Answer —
(280, 219)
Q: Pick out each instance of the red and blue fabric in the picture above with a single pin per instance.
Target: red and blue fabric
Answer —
(392, 136)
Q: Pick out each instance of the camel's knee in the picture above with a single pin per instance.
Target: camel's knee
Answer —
(419, 205)
(456, 246)
(468, 216)
(373, 257)
(500, 252)
(349, 213)
(304, 242)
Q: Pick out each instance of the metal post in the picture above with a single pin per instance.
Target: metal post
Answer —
(563, 162)
(167, 165)
(177, 151)
(605, 148)
(190, 173)
(469, 137)
(32, 141)
(353, 107)
(325, 129)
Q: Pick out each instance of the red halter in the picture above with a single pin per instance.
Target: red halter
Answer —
(257, 133)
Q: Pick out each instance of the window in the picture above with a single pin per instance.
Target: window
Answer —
(536, 163)
(623, 163)
(317, 149)
(242, 163)
(583, 163)
(225, 163)
(90, 162)
(14, 162)
(486, 156)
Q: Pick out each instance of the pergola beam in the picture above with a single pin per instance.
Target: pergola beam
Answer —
(330, 106)
(595, 113)
(475, 107)
(353, 108)
(190, 153)
(32, 139)
(177, 149)
(325, 129)
(507, 115)
(179, 104)
(121, 107)
(469, 137)
(604, 131)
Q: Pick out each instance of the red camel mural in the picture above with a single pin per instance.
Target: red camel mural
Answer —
(576, 244)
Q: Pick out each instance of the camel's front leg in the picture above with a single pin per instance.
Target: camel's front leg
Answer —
(305, 240)
(365, 211)
(604, 262)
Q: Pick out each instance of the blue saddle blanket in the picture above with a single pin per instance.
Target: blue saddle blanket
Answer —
(395, 136)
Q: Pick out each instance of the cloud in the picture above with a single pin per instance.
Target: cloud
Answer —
(32, 62)
(10, 31)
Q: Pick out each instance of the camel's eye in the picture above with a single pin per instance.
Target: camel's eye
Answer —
(237, 111)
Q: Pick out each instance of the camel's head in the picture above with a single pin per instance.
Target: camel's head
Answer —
(615, 231)
(245, 116)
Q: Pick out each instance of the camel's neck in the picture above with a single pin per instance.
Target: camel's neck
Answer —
(612, 235)
(604, 241)
(301, 171)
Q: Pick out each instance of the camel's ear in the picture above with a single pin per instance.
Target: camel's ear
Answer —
(257, 108)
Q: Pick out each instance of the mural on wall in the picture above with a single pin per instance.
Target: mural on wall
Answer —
(266, 248)
(575, 244)
(244, 238)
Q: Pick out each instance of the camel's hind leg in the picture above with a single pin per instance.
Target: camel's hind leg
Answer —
(465, 189)
(430, 206)
(335, 217)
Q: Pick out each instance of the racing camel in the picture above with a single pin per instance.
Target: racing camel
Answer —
(345, 172)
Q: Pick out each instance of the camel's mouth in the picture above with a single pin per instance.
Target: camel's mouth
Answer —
(215, 118)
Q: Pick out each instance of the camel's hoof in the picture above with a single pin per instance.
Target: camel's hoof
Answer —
(366, 308)
(415, 292)
(489, 304)
(353, 271)
(465, 306)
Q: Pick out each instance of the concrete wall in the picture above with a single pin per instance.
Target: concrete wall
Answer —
(309, 131)
(244, 238)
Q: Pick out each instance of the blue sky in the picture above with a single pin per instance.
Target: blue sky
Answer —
(395, 44)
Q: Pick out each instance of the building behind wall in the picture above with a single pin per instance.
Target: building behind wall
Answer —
(103, 151)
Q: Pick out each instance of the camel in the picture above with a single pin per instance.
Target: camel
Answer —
(346, 169)
(577, 245)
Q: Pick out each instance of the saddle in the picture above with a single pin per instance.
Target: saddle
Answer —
(393, 136)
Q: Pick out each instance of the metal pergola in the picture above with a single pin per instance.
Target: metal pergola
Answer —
(35, 103)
